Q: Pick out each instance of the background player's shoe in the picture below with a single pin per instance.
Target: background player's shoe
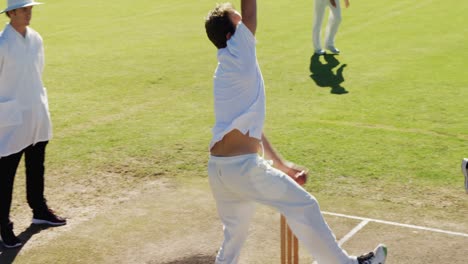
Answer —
(333, 49)
(320, 52)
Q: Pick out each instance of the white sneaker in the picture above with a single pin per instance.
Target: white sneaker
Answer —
(320, 52)
(333, 49)
(464, 168)
(378, 256)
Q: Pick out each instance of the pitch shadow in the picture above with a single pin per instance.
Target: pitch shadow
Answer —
(8, 255)
(195, 259)
(322, 73)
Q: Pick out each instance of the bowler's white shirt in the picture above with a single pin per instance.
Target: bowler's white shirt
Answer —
(239, 93)
(24, 110)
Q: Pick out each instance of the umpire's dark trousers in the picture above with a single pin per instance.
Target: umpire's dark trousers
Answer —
(34, 161)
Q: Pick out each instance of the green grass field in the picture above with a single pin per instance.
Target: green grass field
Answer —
(130, 93)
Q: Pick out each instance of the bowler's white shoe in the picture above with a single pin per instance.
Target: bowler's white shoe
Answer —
(333, 49)
(378, 256)
(464, 168)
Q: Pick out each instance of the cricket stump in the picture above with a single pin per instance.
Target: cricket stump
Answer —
(289, 244)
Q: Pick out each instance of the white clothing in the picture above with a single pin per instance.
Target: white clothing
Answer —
(334, 21)
(24, 110)
(238, 182)
(239, 93)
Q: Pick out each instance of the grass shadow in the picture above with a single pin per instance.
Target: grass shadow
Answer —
(8, 255)
(194, 259)
(322, 73)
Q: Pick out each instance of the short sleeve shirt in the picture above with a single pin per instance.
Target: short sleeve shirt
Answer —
(239, 92)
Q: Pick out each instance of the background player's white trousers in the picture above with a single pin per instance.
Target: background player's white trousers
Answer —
(334, 20)
(238, 182)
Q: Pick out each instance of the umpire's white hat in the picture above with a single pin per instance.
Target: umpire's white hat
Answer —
(15, 4)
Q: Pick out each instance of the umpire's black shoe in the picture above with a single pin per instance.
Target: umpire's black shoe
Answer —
(464, 167)
(48, 217)
(8, 237)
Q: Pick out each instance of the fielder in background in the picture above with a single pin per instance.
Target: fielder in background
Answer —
(25, 126)
(239, 177)
(334, 21)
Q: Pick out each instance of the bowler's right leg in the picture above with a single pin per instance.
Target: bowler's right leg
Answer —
(234, 211)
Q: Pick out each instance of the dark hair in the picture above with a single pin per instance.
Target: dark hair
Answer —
(218, 24)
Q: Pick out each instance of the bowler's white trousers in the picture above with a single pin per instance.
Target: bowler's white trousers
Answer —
(239, 182)
(334, 20)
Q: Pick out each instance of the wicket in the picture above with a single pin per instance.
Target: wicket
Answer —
(289, 244)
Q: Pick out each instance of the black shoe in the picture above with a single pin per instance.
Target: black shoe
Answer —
(464, 167)
(48, 217)
(9, 238)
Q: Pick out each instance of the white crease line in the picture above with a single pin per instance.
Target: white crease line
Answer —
(398, 224)
(353, 232)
